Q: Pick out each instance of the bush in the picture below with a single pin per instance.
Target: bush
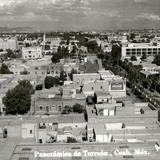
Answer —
(77, 108)
(71, 140)
(133, 58)
(39, 87)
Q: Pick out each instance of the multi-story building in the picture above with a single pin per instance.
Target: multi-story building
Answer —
(104, 81)
(32, 52)
(8, 43)
(139, 49)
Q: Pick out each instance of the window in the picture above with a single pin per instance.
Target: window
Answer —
(47, 108)
(30, 131)
(53, 108)
(23, 158)
(41, 108)
(40, 140)
(92, 88)
(127, 53)
(26, 149)
(59, 108)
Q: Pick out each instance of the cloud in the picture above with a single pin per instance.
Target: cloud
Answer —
(148, 16)
(98, 14)
(140, 1)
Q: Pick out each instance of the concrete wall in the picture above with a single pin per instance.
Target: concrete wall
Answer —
(14, 131)
(28, 130)
(73, 125)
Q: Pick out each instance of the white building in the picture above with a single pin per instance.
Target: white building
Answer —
(138, 49)
(31, 52)
(8, 43)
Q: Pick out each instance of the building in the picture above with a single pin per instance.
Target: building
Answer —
(8, 43)
(70, 151)
(32, 52)
(139, 49)
(81, 78)
(125, 122)
(53, 102)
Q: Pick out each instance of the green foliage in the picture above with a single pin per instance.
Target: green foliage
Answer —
(11, 54)
(73, 52)
(67, 110)
(143, 57)
(71, 140)
(55, 58)
(51, 81)
(47, 47)
(73, 71)
(157, 59)
(27, 86)
(116, 54)
(39, 87)
(4, 69)
(93, 47)
(18, 100)
(132, 36)
(77, 108)
(62, 52)
(25, 72)
(63, 76)
(133, 58)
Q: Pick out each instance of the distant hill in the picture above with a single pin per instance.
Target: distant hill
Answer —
(16, 29)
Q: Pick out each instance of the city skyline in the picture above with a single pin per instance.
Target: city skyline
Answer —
(80, 14)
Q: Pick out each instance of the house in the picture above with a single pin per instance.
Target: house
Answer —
(54, 69)
(73, 126)
(31, 52)
(29, 130)
(89, 67)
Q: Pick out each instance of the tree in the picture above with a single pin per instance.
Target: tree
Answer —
(133, 58)
(48, 82)
(157, 60)
(4, 69)
(132, 36)
(18, 99)
(39, 87)
(77, 108)
(55, 58)
(27, 86)
(73, 71)
(143, 57)
(24, 72)
(10, 53)
(63, 76)
(67, 42)
(116, 54)
(67, 110)
(51, 81)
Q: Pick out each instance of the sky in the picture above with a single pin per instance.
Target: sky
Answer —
(80, 14)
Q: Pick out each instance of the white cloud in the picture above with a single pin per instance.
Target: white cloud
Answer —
(6, 3)
(140, 1)
(148, 16)
(28, 17)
